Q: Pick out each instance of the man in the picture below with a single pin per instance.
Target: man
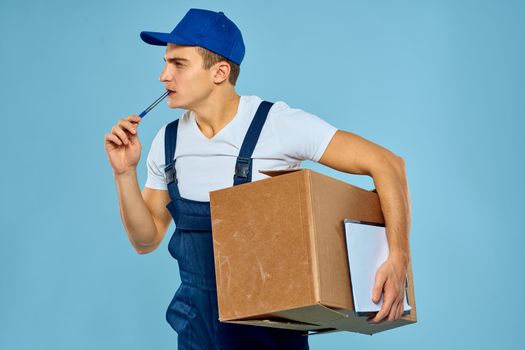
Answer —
(223, 139)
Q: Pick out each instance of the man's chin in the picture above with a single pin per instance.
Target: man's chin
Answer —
(176, 105)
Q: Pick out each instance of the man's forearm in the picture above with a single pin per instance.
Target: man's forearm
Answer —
(392, 188)
(135, 215)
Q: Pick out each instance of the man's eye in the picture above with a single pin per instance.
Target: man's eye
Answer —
(179, 64)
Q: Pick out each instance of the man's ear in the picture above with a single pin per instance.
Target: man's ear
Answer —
(222, 72)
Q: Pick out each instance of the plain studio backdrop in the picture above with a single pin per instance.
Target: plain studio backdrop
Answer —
(440, 83)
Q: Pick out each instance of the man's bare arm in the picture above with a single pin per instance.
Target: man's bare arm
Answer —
(144, 215)
(353, 154)
(156, 201)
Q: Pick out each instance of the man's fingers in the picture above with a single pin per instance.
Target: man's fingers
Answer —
(117, 130)
(382, 313)
(376, 295)
(130, 123)
(125, 131)
(401, 309)
(133, 118)
(114, 139)
(393, 312)
(385, 308)
(378, 287)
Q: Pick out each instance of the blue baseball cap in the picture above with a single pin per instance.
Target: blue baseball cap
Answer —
(211, 30)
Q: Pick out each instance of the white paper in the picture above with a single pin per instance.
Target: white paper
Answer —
(367, 248)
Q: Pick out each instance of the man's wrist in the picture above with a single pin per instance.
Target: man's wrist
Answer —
(131, 173)
(399, 256)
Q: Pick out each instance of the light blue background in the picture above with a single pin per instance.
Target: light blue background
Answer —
(440, 83)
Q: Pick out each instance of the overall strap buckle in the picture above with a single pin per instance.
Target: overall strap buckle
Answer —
(171, 173)
(242, 167)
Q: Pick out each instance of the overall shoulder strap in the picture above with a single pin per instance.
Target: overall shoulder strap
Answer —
(243, 167)
(170, 143)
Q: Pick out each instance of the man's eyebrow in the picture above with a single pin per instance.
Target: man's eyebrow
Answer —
(171, 59)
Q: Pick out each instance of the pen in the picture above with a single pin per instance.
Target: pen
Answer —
(157, 101)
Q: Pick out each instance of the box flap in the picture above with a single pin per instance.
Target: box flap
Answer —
(323, 331)
(360, 325)
(319, 319)
(282, 323)
(274, 320)
(315, 314)
(274, 172)
(339, 319)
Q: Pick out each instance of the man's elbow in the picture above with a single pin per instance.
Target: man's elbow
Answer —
(141, 250)
(400, 162)
(387, 160)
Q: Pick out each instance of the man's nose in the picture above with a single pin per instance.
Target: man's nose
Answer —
(164, 75)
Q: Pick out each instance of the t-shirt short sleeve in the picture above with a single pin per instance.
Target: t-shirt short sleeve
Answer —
(155, 162)
(302, 135)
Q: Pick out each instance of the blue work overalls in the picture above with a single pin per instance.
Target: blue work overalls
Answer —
(193, 311)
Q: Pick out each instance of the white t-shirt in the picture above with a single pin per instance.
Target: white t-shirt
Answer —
(288, 136)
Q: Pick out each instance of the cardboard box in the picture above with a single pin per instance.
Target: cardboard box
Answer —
(280, 253)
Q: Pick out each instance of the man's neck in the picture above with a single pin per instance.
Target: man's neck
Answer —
(218, 110)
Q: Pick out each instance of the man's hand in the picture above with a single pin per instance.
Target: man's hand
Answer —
(122, 145)
(390, 280)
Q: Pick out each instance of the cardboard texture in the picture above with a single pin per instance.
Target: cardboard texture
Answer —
(280, 253)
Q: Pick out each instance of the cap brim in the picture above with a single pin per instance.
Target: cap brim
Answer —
(162, 39)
